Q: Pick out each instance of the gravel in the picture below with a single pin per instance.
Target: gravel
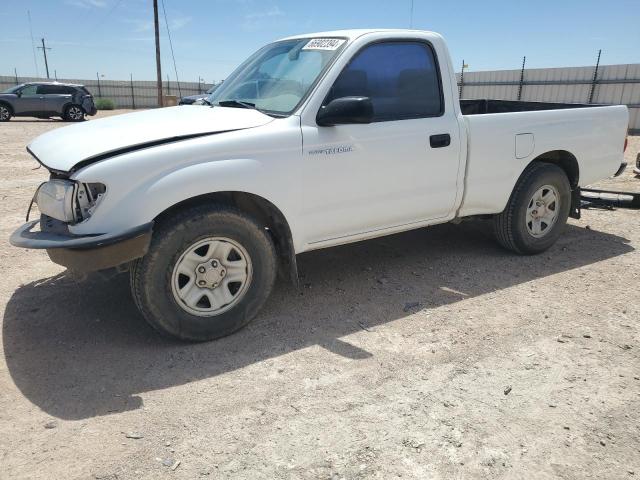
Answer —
(379, 392)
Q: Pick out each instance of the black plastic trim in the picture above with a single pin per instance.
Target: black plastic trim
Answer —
(25, 238)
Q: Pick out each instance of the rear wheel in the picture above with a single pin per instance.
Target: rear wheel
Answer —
(5, 113)
(537, 210)
(208, 272)
(74, 113)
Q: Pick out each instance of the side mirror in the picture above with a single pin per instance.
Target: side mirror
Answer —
(346, 110)
(19, 94)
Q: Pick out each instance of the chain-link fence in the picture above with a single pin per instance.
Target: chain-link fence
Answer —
(611, 84)
(608, 84)
(124, 93)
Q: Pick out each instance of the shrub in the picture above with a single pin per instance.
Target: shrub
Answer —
(105, 104)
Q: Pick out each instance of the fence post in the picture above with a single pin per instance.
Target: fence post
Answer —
(133, 97)
(595, 78)
(99, 89)
(461, 80)
(524, 59)
(168, 86)
(15, 70)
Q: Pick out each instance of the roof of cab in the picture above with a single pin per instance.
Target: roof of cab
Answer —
(353, 34)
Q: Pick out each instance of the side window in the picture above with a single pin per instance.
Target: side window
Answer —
(54, 90)
(45, 89)
(29, 90)
(400, 78)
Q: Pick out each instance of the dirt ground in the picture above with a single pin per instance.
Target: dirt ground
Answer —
(431, 354)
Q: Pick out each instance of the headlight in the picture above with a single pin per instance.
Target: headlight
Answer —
(69, 201)
(55, 199)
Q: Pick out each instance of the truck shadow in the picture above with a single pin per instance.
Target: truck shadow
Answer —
(79, 350)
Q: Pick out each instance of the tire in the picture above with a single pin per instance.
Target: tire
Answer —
(164, 295)
(532, 221)
(5, 112)
(74, 113)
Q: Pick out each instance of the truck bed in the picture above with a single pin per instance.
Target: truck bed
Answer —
(505, 136)
(485, 106)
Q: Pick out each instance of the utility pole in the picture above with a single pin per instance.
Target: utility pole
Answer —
(158, 67)
(44, 49)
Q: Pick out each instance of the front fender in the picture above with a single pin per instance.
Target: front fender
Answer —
(147, 200)
(142, 184)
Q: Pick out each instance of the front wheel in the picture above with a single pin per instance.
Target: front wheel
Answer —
(74, 113)
(5, 113)
(208, 272)
(537, 210)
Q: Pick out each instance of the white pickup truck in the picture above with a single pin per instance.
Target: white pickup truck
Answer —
(316, 140)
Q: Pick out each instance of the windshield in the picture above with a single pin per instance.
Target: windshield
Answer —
(279, 76)
(12, 89)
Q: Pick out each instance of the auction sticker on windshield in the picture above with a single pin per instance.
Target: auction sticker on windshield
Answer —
(323, 44)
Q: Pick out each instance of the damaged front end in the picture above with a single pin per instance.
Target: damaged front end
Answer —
(67, 200)
(63, 202)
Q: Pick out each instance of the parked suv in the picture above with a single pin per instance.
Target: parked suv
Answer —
(197, 99)
(44, 100)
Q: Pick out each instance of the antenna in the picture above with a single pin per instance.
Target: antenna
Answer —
(411, 15)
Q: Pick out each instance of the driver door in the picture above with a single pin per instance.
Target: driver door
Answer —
(398, 170)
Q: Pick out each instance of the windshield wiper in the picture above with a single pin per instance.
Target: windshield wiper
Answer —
(236, 104)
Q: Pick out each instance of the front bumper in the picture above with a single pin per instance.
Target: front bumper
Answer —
(84, 253)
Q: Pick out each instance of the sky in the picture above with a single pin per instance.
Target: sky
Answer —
(114, 38)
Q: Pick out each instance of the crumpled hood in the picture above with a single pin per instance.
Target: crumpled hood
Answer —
(64, 148)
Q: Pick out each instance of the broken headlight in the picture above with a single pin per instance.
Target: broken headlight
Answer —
(68, 201)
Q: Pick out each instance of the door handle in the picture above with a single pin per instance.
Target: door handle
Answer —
(439, 141)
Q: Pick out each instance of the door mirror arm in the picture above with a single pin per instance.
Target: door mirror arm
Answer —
(345, 110)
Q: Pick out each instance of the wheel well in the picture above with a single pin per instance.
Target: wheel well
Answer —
(71, 104)
(565, 160)
(261, 210)
(8, 105)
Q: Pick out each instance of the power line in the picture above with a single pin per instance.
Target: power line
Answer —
(175, 68)
(101, 21)
(33, 44)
